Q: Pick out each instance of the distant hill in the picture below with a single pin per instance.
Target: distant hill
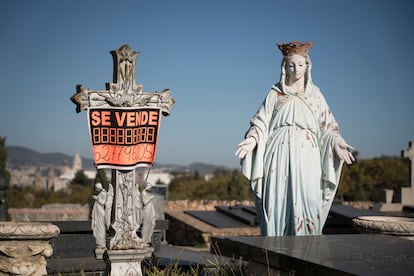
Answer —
(20, 156)
(203, 168)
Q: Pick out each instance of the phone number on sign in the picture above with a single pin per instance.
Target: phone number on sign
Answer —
(124, 155)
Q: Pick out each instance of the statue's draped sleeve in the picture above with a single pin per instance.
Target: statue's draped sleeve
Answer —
(252, 164)
(331, 165)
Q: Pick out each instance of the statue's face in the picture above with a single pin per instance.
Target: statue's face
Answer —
(296, 67)
(98, 187)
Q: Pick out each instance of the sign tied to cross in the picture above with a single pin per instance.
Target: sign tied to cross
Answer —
(124, 124)
(123, 120)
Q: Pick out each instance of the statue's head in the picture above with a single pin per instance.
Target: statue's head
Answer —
(296, 61)
(296, 66)
(98, 187)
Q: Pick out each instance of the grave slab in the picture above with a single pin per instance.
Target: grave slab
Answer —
(216, 219)
(361, 254)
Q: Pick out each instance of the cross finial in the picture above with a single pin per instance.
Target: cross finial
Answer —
(124, 91)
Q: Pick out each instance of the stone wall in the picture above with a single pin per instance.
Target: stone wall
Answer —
(363, 205)
(202, 205)
(78, 212)
(51, 212)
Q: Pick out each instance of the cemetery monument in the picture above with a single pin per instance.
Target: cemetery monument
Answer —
(124, 126)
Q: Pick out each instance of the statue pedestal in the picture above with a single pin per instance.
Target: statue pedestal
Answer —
(24, 247)
(127, 262)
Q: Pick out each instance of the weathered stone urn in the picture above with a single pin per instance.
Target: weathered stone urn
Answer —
(398, 226)
(24, 247)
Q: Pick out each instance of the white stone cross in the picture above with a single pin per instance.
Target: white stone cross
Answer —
(125, 249)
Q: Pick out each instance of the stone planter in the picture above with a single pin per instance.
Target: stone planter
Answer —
(24, 247)
(399, 226)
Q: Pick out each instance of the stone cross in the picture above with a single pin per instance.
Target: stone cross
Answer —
(409, 153)
(124, 199)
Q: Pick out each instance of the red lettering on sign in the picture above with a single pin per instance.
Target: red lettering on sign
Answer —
(95, 118)
(124, 138)
(106, 118)
(153, 118)
(120, 120)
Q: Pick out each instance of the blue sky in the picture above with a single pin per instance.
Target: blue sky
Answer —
(219, 58)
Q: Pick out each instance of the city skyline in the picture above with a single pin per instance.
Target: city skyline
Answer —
(219, 58)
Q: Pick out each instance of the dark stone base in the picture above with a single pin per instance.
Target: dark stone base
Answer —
(374, 254)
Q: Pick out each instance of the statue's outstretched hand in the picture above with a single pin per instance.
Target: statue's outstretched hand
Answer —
(343, 150)
(246, 146)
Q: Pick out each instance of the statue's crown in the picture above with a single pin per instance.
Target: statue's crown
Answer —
(295, 47)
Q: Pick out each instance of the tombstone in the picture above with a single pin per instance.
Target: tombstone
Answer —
(124, 126)
(407, 193)
(387, 195)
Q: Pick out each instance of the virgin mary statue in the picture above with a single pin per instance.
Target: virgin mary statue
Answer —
(293, 152)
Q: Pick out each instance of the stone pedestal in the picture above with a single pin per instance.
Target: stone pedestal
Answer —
(397, 226)
(127, 262)
(24, 247)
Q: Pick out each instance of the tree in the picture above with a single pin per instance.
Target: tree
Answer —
(81, 179)
(222, 186)
(4, 181)
(196, 175)
(3, 159)
(238, 186)
(101, 178)
(365, 179)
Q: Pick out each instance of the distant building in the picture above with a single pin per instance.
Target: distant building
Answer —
(54, 178)
(22, 177)
(159, 177)
(39, 181)
(51, 176)
(68, 174)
